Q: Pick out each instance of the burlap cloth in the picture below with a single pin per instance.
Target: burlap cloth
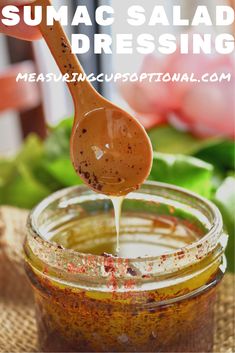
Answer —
(18, 331)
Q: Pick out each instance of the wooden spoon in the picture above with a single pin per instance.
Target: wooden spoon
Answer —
(110, 150)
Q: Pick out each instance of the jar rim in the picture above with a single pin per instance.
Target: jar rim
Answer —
(211, 243)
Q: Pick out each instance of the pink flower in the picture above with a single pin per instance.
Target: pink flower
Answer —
(204, 108)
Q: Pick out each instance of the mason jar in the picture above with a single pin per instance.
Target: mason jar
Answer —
(156, 295)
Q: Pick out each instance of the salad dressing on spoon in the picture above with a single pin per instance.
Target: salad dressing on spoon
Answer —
(110, 150)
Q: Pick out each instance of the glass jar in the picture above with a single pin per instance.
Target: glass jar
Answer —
(90, 301)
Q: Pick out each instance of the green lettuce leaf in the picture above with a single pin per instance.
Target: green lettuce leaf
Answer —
(185, 171)
(57, 161)
(63, 172)
(57, 144)
(31, 152)
(6, 169)
(167, 139)
(19, 185)
(224, 198)
(23, 189)
(221, 154)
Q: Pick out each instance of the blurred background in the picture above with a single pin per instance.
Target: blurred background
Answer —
(55, 103)
(192, 127)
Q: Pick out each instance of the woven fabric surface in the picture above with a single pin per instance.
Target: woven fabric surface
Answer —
(18, 331)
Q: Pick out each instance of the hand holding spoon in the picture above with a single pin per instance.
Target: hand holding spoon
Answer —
(110, 150)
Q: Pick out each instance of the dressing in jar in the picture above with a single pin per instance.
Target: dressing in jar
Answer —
(158, 294)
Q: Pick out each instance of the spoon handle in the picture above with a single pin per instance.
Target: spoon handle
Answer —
(67, 62)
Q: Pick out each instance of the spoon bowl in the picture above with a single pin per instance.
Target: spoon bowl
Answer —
(111, 151)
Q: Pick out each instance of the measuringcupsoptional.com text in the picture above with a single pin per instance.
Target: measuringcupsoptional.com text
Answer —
(126, 77)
